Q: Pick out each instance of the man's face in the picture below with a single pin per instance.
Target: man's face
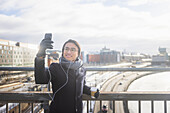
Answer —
(70, 51)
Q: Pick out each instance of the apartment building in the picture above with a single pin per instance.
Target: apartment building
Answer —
(16, 53)
(162, 58)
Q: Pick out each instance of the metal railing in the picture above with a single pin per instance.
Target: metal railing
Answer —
(43, 97)
(125, 97)
(90, 69)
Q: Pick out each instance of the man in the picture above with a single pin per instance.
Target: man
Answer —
(67, 77)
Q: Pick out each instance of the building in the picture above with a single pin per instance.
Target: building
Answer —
(105, 56)
(16, 53)
(84, 56)
(162, 58)
(130, 57)
(93, 58)
(109, 56)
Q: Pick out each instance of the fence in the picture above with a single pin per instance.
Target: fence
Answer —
(125, 97)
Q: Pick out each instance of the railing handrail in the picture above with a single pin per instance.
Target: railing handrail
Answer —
(91, 69)
(43, 97)
(37, 96)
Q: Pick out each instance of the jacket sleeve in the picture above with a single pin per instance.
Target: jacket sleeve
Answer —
(40, 73)
(86, 89)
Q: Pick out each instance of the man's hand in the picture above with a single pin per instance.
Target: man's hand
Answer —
(45, 44)
(95, 94)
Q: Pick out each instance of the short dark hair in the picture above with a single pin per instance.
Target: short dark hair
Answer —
(74, 42)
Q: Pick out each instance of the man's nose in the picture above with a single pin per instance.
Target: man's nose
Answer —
(69, 51)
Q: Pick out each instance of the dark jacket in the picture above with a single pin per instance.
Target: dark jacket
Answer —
(69, 98)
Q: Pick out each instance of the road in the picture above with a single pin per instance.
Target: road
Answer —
(119, 82)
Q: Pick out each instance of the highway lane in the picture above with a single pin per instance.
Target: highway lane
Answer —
(98, 79)
(117, 83)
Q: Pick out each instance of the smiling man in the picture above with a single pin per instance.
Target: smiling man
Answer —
(71, 50)
(67, 77)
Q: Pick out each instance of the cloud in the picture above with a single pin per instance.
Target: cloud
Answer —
(7, 5)
(142, 2)
(92, 24)
(137, 2)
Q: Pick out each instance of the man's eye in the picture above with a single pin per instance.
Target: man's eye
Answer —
(66, 48)
(73, 49)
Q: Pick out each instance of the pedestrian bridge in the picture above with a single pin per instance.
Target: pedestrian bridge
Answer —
(34, 97)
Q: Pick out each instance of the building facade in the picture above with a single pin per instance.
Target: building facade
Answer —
(16, 53)
(105, 56)
(109, 56)
(161, 59)
(93, 58)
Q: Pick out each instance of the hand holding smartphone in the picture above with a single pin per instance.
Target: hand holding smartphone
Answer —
(48, 36)
(46, 43)
(48, 40)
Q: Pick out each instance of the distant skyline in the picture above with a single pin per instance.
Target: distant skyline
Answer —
(132, 25)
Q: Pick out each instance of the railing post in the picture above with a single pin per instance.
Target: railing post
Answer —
(32, 107)
(90, 106)
(165, 106)
(113, 106)
(139, 106)
(125, 106)
(87, 106)
(7, 108)
(100, 105)
(46, 106)
(20, 108)
(152, 106)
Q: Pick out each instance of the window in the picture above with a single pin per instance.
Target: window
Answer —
(0, 46)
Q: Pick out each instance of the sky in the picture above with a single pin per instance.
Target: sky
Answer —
(122, 25)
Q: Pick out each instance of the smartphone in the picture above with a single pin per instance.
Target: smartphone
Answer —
(48, 36)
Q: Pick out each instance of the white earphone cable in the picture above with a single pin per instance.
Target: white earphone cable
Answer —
(66, 73)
